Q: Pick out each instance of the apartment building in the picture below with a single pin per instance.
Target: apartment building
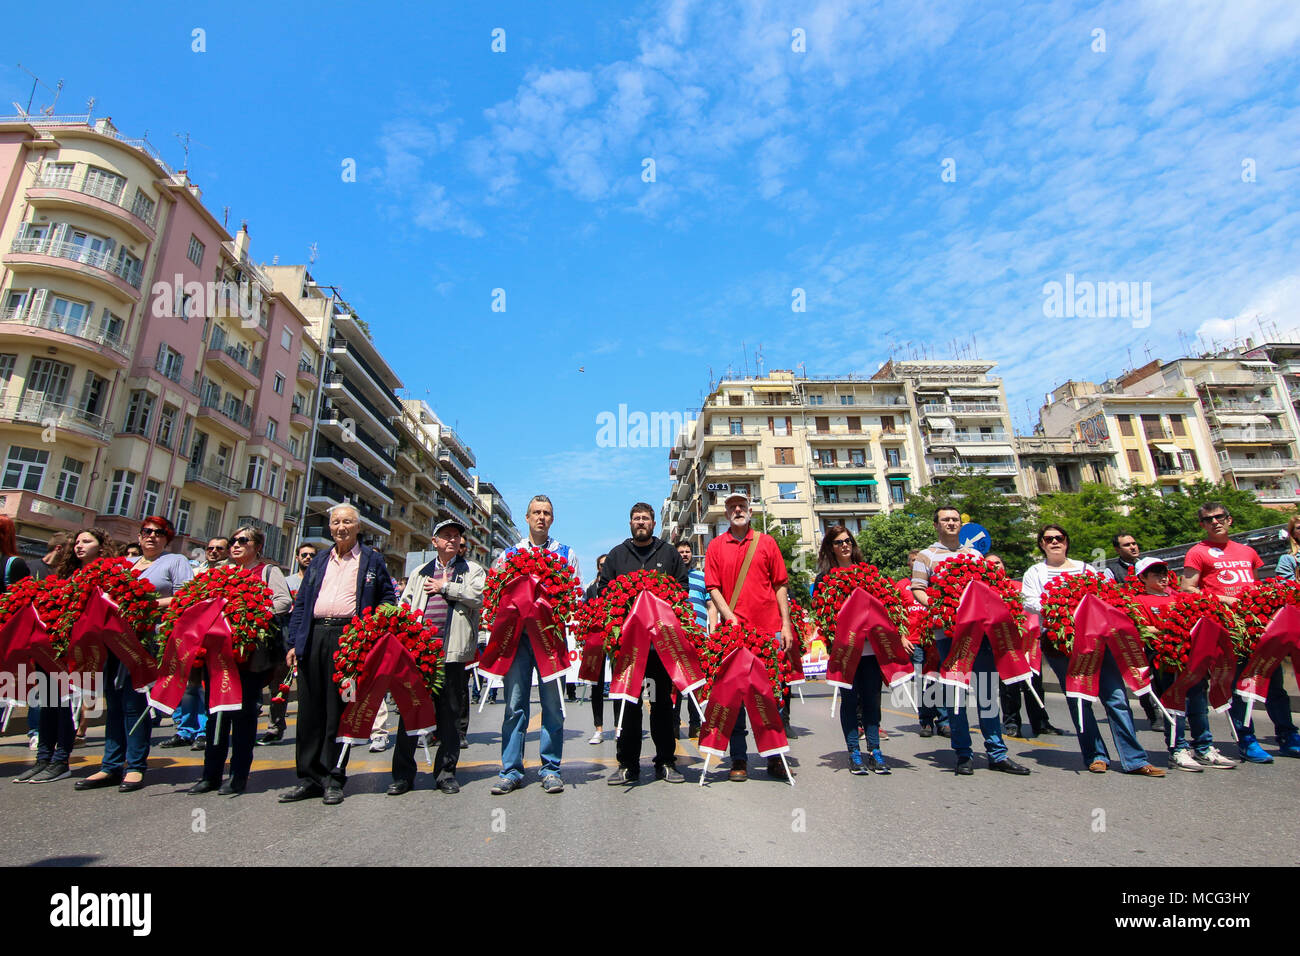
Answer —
(504, 534)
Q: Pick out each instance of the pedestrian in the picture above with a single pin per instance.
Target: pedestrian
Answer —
(598, 688)
(126, 726)
(276, 724)
(644, 552)
(1119, 570)
(1011, 694)
(703, 613)
(540, 515)
(449, 591)
(839, 550)
(1224, 568)
(237, 731)
(747, 581)
(344, 582)
(1054, 543)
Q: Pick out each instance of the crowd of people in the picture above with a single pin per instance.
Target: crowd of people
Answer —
(743, 579)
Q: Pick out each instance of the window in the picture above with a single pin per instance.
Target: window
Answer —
(826, 457)
(1189, 461)
(271, 427)
(7, 361)
(183, 516)
(69, 481)
(143, 207)
(149, 500)
(104, 185)
(254, 479)
(736, 426)
(170, 362)
(47, 381)
(274, 480)
(1134, 460)
(279, 384)
(58, 175)
(779, 426)
(120, 493)
(865, 493)
(212, 527)
(1151, 426)
(855, 423)
(139, 410)
(896, 492)
(831, 495)
(1176, 426)
(25, 468)
(94, 395)
(822, 424)
(167, 426)
(66, 315)
(785, 456)
(170, 513)
(294, 445)
(847, 399)
(887, 424)
(816, 399)
(128, 267)
(223, 457)
(734, 399)
(893, 458)
(286, 339)
(1125, 425)
(195, 253)
(857, 457)
(737, 458)
(787, 490)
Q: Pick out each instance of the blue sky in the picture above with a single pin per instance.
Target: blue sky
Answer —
(774, 169)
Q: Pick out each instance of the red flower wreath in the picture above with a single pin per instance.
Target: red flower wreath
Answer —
(1061, 597)
(558, 581)
(589, 619)
(799, 618)
(727, 638)
(948, 584)
(1255, 607)
(1172, 634)
(410, 627)
(620, 594)
(135, 597)
(835, 588)
(247, 610)
(48, 594)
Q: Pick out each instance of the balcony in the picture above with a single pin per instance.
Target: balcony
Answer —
(85, 334)
(120, 278)
(325, 494)
(449, 487)
(818, 465)
(846, 506)
(214, 479)
(341, 389)
(307, 373)
(724, 401)
(725, 435)
(964, 408)
(450, 463)
(29, 410)
(1235, 464)
(298, 415)
(453, 511)
(893, 434)
(30, 508)
(1251, 435)
(234, 417)
(347, 356)
(348, 434)
(1235, 377)
(731, 468)
(342, 468)
(987, 468)
(292, 515)
(245, 368)
(838, 434)
(1233, 407)
(449, 438)
(53, 191)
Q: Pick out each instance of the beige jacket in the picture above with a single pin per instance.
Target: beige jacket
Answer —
(465, 595)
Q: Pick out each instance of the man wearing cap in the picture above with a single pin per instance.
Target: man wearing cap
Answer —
(449, 590)
(762, 603)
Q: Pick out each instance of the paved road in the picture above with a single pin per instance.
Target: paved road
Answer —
(921, 814)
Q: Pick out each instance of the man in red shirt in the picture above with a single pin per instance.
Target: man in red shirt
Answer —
(1224, 568)
(762, 603)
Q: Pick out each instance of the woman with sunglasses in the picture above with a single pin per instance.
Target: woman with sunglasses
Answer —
(839, 550)
(236, 731)
(126, 735)
(1054, 543)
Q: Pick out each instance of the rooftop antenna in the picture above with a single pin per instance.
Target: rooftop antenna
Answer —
(744, 356)
(186, 143)
(311, 256)
(758, 360)
(56, 90)
(225, 217)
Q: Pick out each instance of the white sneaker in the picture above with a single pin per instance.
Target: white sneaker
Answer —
(1183, 760)
(378, 743)
(597, 737)
(1215, 760)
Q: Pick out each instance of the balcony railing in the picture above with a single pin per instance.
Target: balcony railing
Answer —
(1248, 434)
(1236, 407)
(1256, 464)
(731, 466)
(23, 408)
(449, 438)
(817, 463)
(340, 381)
(452, 464)
(307, 367)
(212, 478)
(989, 468)
(45, 246)
(78, 328)
(237, 412)
(109, 192)
(964, 408)
(965, 438)
(331, 414)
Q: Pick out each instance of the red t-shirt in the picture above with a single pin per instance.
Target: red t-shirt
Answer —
(1225, 570)
(904, 586)
(757, 606)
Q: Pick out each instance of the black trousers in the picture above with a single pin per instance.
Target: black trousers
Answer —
(278, 711)
(663, 721)
(449, 702)
(692, 710)
(237, 730)
(462, 719)
(319, 708)
(1011, 696)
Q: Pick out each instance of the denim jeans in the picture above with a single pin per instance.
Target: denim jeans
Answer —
(1277, 705)
(514, 727)
(124, 707)
(929, 715)
(1114, 698)
(985, 675)
(866, 688)
(191, 717)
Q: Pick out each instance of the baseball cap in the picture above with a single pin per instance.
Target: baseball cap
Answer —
(448, 523)
(1149, 564)
(726, 502)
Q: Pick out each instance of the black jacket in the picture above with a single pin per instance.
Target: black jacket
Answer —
(663, 557)
(1119, 568)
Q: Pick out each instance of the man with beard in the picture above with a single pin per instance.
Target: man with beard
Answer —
(644, 552)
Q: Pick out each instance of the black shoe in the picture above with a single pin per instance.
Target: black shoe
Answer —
(622, 777)
(128, 787)
(112, 780)
(1011, 730)
(464, 742)
(693, 730)
(1009, 766)
(965, 766)
(270, 737)
(927, 730)
(232, 787)
(943, 730)
(1049, 729)
(399, 787)
(203, 786)
(200, 742)
(669, 772)
(304, 791)
(448, 785)
(333, 796)
(174, 741)
(31, 772)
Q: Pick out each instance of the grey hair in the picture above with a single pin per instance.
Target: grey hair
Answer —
(538, 498)
(350, 507)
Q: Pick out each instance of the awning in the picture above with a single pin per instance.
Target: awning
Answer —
(900, 477)
(1241, 418)
(845, 481)
(986, 450)
(1167, 447)
(771, 387)
(944, 423)
(989, 392)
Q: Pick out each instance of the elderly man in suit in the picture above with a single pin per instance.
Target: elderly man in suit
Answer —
(341, 583)
(449, 590)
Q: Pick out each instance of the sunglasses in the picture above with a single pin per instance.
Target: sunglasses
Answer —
(844, 541)
(152, 532)
(242, 541)
(1053, 538)
(1210, 519)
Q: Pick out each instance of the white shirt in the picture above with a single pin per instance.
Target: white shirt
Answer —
(1036, 579)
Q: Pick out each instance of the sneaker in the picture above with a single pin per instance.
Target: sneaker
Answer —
(1289, 744)
(1252, 752)
(856, 766)
(943, 731)
(551, 783)
(378, 743)
(597, 737)
(927, 730)
(53, 771)
(877, 763)
(1217, 761)
(1183, 760)
(622, 777)
(30, 772)
(504, 785)
(670, 773)
(270, 737)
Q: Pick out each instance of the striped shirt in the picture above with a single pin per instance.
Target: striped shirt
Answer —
(932, 557)
(700, 598)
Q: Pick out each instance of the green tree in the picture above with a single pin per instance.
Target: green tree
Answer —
(886, 539)
(798, 562)
(1161, 521)
(1011, 522)
(1091, 516)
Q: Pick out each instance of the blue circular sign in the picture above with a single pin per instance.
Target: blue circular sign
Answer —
(975, 536)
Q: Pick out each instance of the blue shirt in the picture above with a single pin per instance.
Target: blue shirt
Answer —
(699, 597)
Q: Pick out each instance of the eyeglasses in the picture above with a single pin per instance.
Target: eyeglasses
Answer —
(1210, 519)
(152, 532)
(842, 541)
(242, 541)
(1053, 538)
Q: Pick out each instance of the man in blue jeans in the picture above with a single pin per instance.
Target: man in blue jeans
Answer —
(518, 680)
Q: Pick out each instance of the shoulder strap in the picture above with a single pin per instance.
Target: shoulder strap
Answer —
(744, 569)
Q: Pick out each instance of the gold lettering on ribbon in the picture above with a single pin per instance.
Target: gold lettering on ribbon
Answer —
(717, 719)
